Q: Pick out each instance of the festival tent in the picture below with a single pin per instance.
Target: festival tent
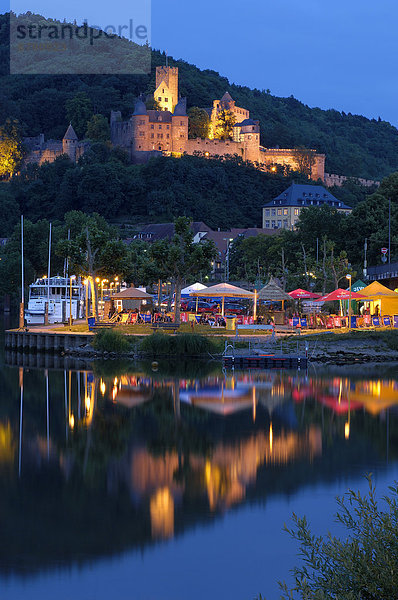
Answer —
(358, 286)
(301, 294)
(223, 290)
(382, 297)
(195, 287)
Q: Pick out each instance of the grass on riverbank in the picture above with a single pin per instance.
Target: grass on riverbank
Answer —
(387, 336)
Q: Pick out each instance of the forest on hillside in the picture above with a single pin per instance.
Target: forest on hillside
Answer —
(354, 145)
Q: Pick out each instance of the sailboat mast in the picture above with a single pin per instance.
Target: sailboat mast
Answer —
(22, 307)
(49, 268)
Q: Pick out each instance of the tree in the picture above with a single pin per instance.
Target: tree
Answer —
(181, 259)
(363, 565)
(98, 129)
(10, 149)
(305, 160)
(224, 125)
(79, 110)
(199, 123)
(94, 249)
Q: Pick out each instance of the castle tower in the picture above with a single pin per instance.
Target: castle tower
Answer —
(248, 134)
(70, 143)
(180, 127)
(166, 93)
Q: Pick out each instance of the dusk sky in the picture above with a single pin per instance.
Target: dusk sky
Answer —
(336, 54)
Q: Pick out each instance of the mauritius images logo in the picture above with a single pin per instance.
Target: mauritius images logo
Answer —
(43, 45)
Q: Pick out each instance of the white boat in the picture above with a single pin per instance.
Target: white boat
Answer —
(56, 292)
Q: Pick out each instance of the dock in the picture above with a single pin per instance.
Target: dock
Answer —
(265, 361)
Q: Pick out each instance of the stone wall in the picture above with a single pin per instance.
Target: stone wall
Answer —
(339, 180)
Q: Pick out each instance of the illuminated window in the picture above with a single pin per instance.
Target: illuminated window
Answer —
(296, 212)
(285, 211)
(279, 212)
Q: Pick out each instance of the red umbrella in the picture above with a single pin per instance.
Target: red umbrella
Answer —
(340, 294)
(300, 294)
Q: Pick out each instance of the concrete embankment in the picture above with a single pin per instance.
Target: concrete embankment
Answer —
(46, 341)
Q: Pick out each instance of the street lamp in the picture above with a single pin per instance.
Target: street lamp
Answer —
(71, 278)
(86, 284)
(349, 277)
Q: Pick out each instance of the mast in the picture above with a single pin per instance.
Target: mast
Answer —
(22, 307)
(49, 268)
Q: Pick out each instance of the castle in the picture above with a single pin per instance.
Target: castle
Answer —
(150, 132)
(164, 131)
(39, 151)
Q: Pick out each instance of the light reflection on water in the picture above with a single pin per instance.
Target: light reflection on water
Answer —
(123, 469)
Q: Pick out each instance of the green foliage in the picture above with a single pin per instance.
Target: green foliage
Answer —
(199, 123)
(98, 129)
(108, 340)
(9, 210)
(182, 344)
(224, 126)
(79, 111)
(10, 148)
(360, 566)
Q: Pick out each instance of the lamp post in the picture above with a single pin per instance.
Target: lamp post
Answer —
(349, 277)
(86, 284)
(71, 278)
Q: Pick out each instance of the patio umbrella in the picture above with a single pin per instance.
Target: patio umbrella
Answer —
(300, 294)
(223, 290)
(340, 294)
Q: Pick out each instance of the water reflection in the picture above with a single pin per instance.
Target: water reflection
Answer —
(106, 461)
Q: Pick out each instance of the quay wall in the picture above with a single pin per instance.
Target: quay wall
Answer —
(33, 341)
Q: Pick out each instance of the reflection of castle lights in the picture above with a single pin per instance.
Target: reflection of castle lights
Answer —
(114, 393)
(102, 387)
(162, 513)
(271, 438)
(87, 403)
(71, 421)
(115, 381)
(347, 430)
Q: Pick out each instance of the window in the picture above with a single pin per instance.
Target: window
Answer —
(152, 135)
(142, 122)
(182, 123)
(182, 136)
(166, 99)
(160, 127)
(159, 99)
(152, 126)
(266, 224)
(296, 211)
(273, 212)
(167, 126)
(279, 224)
(267, 212)
(285, 223)
(168, 136)
(142, 134)
(279, 212)
(285, 211)
(158, 136)
(272, 224)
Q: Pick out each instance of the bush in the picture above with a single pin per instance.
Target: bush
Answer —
(361, 566)
(108, 340)
(189, 344)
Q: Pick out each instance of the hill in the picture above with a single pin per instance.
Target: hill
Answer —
(354, 145)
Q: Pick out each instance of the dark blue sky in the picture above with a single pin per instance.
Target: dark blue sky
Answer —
(330, 53)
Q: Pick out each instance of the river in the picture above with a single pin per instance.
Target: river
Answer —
(173, 481)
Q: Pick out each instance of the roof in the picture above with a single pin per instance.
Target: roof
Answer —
(159, 116)
(224, 289)
(245, 123)
(378, 290)
(160, 231)
(307, 195)
(181, 108)
(227, 97)
(140, 108)
(272, 291)
(132, 293)
(70, 133)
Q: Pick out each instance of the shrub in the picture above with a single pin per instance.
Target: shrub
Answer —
(107, 340)
(182, 344)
